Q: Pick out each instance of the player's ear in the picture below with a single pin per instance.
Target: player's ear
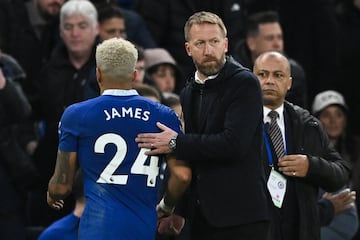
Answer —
(135, 73)
(98, 75)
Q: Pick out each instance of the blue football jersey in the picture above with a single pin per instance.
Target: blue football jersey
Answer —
(120, 181)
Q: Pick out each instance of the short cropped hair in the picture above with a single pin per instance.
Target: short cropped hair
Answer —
(79, 7)
(254, 20)
(108, 11)
(116, 57)
(148, 91)
(202, 18)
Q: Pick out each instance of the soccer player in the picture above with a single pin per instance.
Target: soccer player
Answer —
(120, 181)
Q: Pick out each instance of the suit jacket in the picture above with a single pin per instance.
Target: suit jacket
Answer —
(223, 144)
(327, 170)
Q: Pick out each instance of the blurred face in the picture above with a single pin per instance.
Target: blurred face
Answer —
(78, 34)
(334, 120)
(49, 8)
(273, 73)
(164, 78)
(140, 69)
(269, 38)
(207, 47)
(113, 27)
(155, 99)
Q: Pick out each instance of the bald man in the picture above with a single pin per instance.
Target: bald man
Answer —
(308, 162)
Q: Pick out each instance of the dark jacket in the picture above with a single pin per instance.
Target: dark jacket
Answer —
(223, 144)
(18, 38)
(298, 91)
(327, 170)
(60, 85)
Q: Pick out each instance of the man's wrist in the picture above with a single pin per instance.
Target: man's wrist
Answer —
(173, 142)
(165, 208)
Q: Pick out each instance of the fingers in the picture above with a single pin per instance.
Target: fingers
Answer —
(162, 126)
(58, 205)
(145, 138)
(155, 151)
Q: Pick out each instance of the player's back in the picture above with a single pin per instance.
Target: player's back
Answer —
(120, 181)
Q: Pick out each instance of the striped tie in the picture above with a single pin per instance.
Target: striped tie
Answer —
(275, 135)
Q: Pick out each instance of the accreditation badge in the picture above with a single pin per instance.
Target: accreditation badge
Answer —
(276, 185)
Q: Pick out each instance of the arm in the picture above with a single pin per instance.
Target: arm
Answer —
(60, 184)
(241, 95)
(320, 163)
(179, 180)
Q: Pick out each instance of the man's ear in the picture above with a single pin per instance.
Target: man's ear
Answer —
(250, 42)
(187, 48)
(98, 75)
(135, 73)
(290, 83)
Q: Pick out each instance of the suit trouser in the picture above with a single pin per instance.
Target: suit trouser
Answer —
(202, 230)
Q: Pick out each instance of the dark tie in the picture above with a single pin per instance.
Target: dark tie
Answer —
(275, 135)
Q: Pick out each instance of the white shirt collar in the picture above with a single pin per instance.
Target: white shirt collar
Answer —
(120, 92)
(198, 80)
(279, 110)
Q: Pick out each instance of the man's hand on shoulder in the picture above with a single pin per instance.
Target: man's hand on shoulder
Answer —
(158, 143)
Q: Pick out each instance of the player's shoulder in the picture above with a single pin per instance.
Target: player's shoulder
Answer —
(80, 106)
(156, 106)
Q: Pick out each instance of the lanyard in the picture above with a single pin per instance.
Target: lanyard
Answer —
(268, 148)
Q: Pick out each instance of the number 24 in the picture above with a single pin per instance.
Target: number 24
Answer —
(138, 167)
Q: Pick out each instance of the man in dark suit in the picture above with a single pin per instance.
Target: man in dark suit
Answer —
(222, 108)
(310, 161)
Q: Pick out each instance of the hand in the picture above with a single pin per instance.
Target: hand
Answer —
(55, 204)
(296, 165)
(157, 142)
(171, 225)
(341, 201)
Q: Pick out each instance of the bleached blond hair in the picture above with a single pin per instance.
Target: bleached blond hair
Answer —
(116, 57)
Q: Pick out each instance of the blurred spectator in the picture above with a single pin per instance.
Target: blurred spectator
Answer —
(348, 17)
(140, 66)
(29, 30)
(136, 29)
(264, 33)
(148, 91)
(173, 100)
(111, 22)
(68, 77)
(162, 71)
(331, 109)
(16, 169)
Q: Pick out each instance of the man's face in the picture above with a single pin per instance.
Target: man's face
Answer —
(269, 38)
(273, 73)
(207, 46)
(49, 8)
(140, 68)
(78, 34)
(113, 27)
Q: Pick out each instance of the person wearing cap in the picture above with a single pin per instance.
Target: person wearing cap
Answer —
(308, 160)
(331, 109)
(162, 71)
